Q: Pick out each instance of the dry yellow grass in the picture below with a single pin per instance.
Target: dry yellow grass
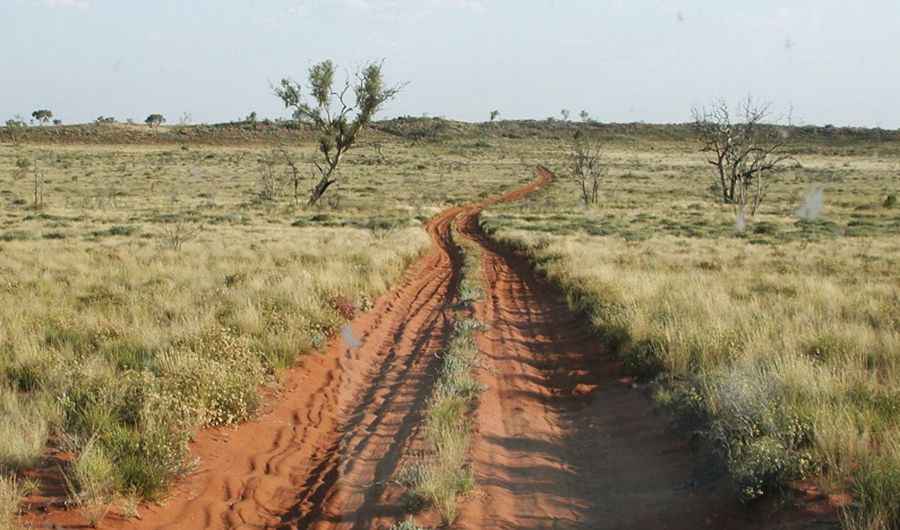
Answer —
(781, 343)
(150, 274)
(155, 289)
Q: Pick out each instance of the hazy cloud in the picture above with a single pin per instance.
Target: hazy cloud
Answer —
(76, 4)
(391, 8)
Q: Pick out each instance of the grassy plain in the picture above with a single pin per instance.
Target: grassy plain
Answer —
(779, 345)
(156, 291)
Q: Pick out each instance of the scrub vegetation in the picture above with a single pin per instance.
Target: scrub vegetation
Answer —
(157, 291)
(776, 341)
(155, 281)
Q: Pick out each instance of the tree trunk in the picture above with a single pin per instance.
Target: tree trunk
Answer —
(319, 190)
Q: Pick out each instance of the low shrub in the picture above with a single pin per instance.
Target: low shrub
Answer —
(10, 497)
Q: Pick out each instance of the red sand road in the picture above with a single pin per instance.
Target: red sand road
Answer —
(562, 441)
(339, 427)
(559, 442)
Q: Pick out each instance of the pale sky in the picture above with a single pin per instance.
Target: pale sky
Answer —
(833, 61)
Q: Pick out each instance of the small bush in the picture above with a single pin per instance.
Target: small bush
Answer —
(10, 496)
(24, 429)
(890, 201)
(644, 360)
(92, 482)
(764, 443)
(876, 492)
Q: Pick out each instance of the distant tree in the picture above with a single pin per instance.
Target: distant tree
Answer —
(744, 153)
(23, 167)
(15, 126)
(565, 114)
(155, 120)
(584, 158)
(185, 119)
(585, 117)
(101, 120)
(251, 119)
(57, 122)
(494, 115)
(43, 116)
(338, 120)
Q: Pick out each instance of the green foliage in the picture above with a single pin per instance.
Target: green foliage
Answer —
(337, 120)
(91, 481)
(42, 115)
(876, 496)
(890, 201)
(16, 123)
(445, 475)
(155, 120)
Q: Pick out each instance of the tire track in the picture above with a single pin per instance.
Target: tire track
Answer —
(561, 442)
(558, 443)
(337, 431)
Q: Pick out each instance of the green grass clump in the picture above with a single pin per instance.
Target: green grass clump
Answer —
(91, 481)
(24, 429)
(445, 475)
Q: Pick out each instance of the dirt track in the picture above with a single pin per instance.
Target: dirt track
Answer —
(559, 442)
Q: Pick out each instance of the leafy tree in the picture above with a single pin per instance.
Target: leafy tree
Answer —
(494, 115)
(338, 119)
(585, 117)
(565, 114)
(43, 116)
(14, 127)
(252, 120)
(57, 122)
(155, 120)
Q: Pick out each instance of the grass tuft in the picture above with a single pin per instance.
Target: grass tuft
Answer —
(445, 475)
(10, 497)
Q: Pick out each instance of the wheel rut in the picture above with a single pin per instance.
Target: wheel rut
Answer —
(558, 442)
(561, 439)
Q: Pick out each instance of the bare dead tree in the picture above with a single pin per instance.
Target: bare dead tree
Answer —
(38, 179)
(269, 182)
(379, 151)
(744, 153)
(294, 173)
(585, 166)
(338, 119)
(177, 232)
